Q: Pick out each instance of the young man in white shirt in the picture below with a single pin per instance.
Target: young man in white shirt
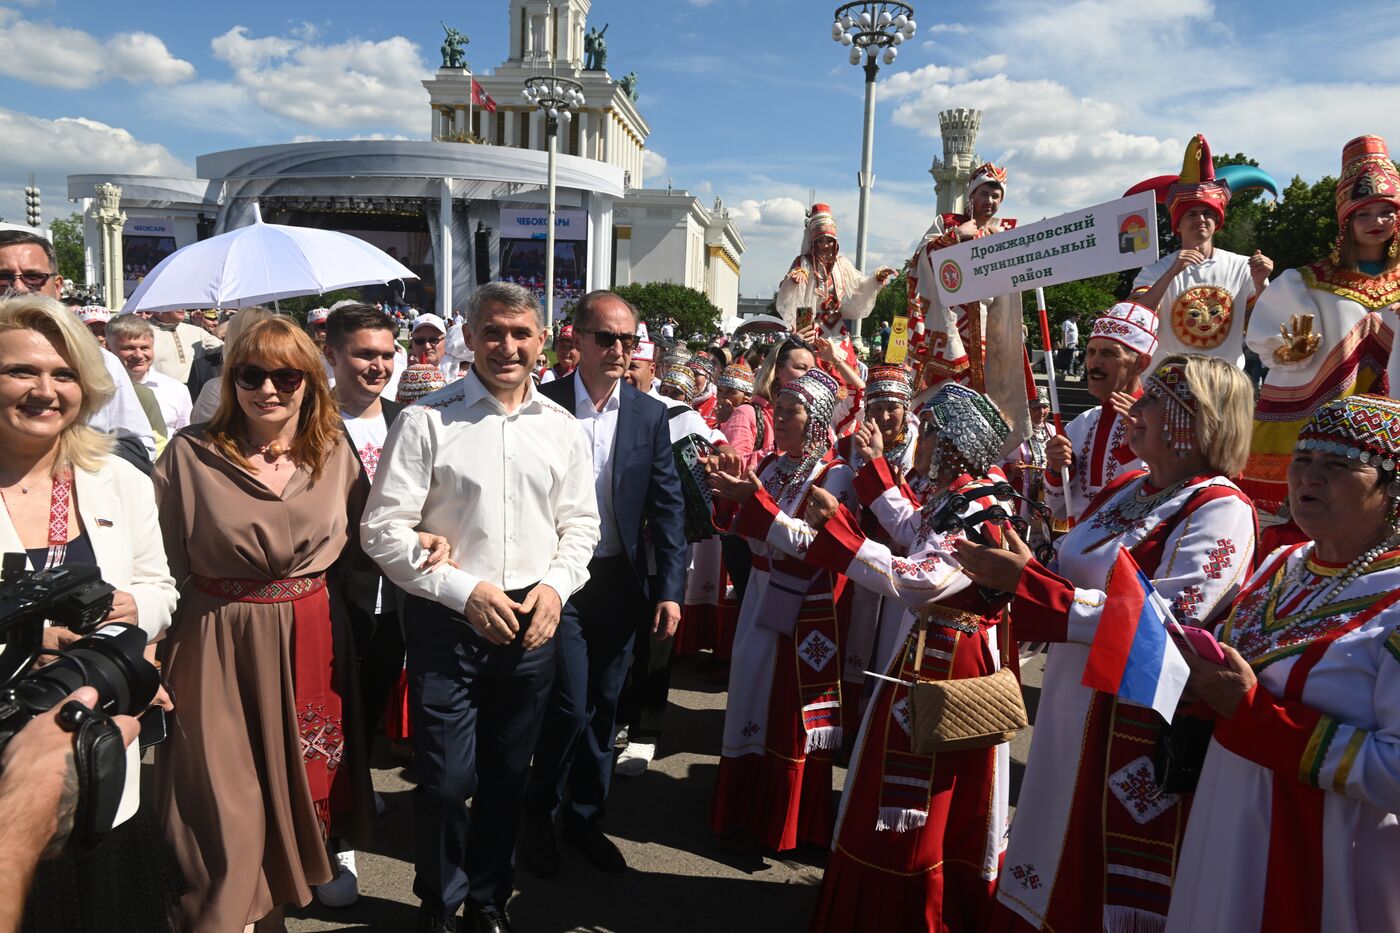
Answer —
(133, 341)
(506, 476)
(359, 347)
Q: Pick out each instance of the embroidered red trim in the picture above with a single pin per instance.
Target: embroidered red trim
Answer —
(239, 590)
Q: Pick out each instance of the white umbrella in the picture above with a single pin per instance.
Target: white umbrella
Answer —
(260, 263)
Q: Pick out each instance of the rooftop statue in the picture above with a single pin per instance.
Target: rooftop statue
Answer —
(454, 48)
(595, 49)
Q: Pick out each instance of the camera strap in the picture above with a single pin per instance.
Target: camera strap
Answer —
(100, 761)
(60, 506)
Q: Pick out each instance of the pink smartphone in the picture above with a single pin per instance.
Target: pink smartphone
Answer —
(1204, 644)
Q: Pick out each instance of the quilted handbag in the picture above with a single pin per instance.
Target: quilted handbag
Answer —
(973, 712)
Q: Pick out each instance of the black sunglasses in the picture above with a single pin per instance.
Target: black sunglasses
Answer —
(252, 378)
(427, 341)
(606, 338)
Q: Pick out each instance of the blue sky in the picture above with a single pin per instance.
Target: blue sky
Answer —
(749, 100)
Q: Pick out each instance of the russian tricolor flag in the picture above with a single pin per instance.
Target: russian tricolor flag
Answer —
(1132, 655)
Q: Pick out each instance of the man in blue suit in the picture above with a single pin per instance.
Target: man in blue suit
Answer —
(640, 504)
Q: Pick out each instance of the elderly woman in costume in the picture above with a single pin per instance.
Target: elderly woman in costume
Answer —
(920, 836)
(1025, 468)
(783, 721)
(1203, 293)
(1095, 841)
(1322, 329)
(1294, 825)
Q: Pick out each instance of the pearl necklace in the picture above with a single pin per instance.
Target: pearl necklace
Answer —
(1348, 576)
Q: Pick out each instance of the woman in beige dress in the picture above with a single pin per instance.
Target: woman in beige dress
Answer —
(264, 761)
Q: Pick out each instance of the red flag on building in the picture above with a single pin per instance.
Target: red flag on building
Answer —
(481, 99)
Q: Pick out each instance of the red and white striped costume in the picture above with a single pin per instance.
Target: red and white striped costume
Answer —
(1094, 844)
(1294, 826)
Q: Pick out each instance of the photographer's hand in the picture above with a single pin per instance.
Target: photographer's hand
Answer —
(39, 790)
(55, 638)
(123, 609)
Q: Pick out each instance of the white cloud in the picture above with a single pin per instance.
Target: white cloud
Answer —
(784, 212)
(347, 84)
(58, 56)
(654, 164)
(70, 145)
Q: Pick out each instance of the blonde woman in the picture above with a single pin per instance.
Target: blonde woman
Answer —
(68, 501)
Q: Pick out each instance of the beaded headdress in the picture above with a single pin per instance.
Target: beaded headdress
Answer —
(737, 376)
(682, 379)
(1042, 398)
(819, 394)
(889, 384)
(1368, 175)
(704, 364)
(968, 421)
(1359, 427)
(1169, 382)
(677, 356)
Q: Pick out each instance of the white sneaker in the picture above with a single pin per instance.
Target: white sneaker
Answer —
(634, 759)
(379, 805)
(344, 889)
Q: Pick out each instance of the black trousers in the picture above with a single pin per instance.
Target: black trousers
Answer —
(642, 706)
(476, 711)
(594, 651)
(379, 645)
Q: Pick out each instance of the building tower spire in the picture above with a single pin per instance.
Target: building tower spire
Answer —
(953, 171)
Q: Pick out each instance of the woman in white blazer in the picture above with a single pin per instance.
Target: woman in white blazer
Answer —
(67, 501)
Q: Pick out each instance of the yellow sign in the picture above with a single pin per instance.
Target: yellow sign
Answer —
(899, 341)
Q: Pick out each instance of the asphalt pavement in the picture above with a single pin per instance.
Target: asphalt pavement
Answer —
(679, 880)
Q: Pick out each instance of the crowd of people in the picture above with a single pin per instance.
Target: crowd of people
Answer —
(496, 556)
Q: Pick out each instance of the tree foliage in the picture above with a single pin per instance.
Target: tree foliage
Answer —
(68, 245)
(299, 307)
(1082, 300)
(692, 310)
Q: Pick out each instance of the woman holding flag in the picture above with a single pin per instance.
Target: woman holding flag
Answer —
(1095, 839)
(1294, 825)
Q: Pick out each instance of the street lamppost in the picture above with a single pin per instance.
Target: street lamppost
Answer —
(869, 27)
(557, 98)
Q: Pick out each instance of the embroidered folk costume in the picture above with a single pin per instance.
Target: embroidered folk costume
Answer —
(705, 400)
(919, 837)
(1205, 307)
(1099, 436)
(1342, 306)
(1294, 826)
(873, 618)
(783, 720)
(950, 343)
(1095, 843)
(1025, 468)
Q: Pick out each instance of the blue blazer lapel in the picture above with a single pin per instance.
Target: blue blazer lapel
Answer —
(628, 425)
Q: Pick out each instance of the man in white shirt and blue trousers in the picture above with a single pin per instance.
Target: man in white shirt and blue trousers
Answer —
(505, 475)
(638, 491)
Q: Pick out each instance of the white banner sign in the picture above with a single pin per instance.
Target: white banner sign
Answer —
(1104, 238)
(533, 225)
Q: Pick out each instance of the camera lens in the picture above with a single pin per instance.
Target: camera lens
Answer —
(110, 660)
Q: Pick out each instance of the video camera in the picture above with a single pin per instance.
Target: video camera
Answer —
(109, 659)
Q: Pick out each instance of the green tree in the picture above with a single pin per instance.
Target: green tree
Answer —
(1303, 227)
(1082, 300)
(692, 310)
(298, 307)
(68, 245)
(893, 300)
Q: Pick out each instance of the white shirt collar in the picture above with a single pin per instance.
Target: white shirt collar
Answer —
(474, 391)
(583, 402)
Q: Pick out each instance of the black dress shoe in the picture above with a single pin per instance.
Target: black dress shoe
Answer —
(541, 849)
(429, 922)
(596, 847)
(487, 920)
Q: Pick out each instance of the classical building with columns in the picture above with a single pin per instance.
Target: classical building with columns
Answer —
(474, 192)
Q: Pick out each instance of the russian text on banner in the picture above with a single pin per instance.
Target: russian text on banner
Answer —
(1105, 238)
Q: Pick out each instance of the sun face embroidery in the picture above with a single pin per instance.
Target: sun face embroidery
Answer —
(1202, 315)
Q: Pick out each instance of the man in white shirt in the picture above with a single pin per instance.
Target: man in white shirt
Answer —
(506, 476)
(1068, 355)
(359, 347)
(642, 512)
(177, 344)
(131, 339)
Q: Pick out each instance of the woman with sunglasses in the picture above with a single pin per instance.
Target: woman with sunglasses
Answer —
(264, 763)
